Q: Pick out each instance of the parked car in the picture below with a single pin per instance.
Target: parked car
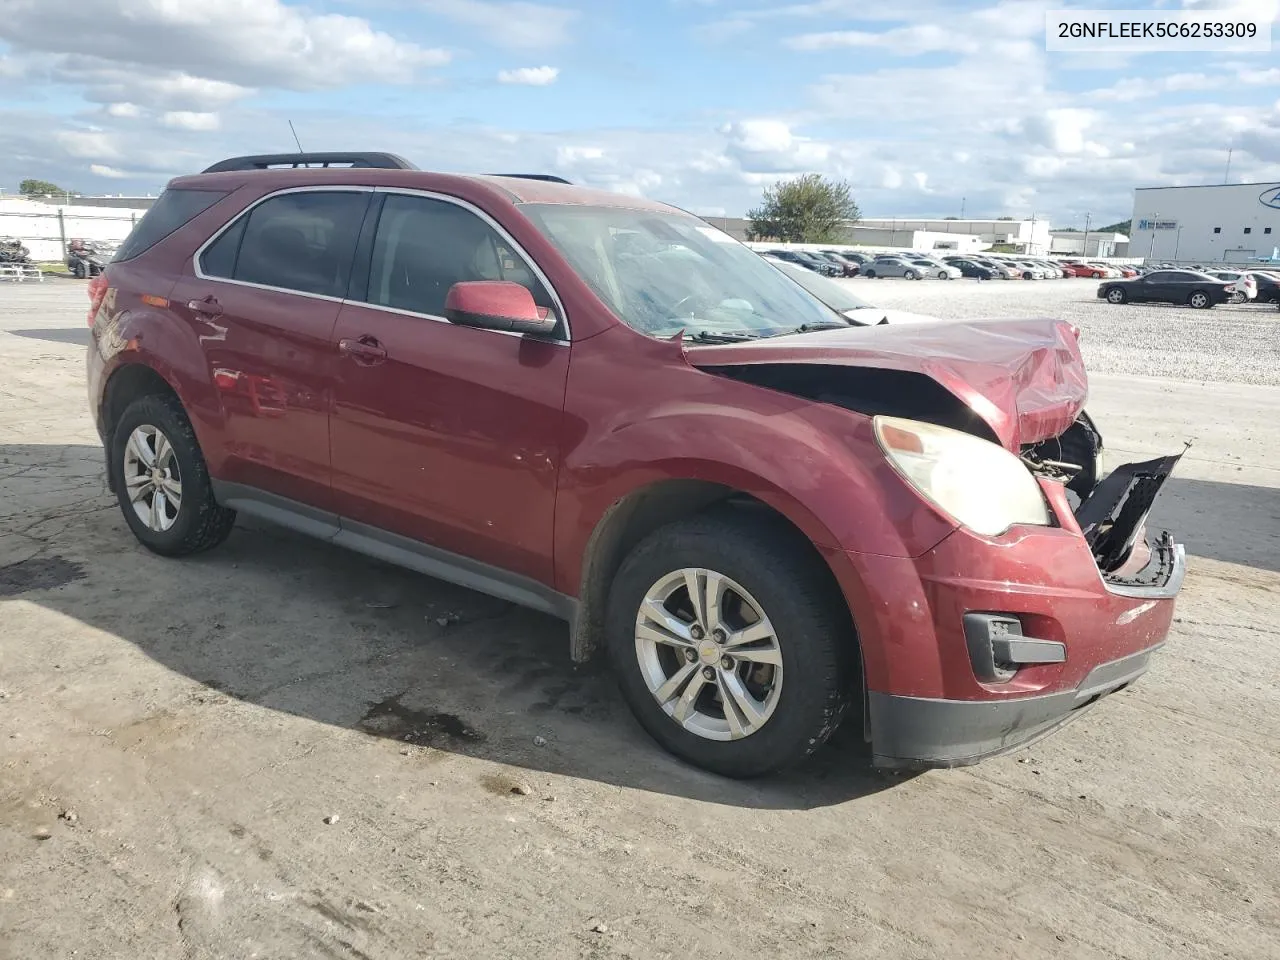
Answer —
(1246, 287)
(1003, 269)
(807, 259)
(1268, 286)
(971, 268)
(840, 298)
(1078, 268)
(770, 520)
(1049, 268)
(892, 267)
(848, 268)
(851, 255)
(1029, 270)
(1198, 290)
(936, 269)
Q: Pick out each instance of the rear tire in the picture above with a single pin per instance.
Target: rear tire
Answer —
(800, 612)
(156, 459)
(1199, 300)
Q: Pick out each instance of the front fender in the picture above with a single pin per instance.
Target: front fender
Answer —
(817, 465)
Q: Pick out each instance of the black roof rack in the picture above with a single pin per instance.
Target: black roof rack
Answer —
(532, 176)
(380, 161)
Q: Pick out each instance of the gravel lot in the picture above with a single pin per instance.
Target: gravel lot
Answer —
(282, 750)
(1229, 343)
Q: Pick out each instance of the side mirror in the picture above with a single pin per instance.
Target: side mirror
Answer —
(497, 305)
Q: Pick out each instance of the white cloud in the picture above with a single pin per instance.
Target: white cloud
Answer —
(87, 144)
(239, 42)
(125, 110)
(111, 173)
(190, 120)
(530, 76)
(769, 146)
(570, 156)
(515, 24)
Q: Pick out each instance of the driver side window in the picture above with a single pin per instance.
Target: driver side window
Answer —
(424, 246)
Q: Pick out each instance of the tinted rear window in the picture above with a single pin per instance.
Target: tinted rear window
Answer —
(171, 210)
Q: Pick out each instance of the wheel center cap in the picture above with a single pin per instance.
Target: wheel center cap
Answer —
(709, 652)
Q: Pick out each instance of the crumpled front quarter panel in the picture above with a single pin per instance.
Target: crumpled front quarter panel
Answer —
(637, 414)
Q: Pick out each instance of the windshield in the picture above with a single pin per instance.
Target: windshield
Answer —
(661, 273)
(834, 295)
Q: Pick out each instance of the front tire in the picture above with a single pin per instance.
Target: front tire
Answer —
(706, 619)
(911, 275)
(162, 481)
(870, 274)
(1116, 295)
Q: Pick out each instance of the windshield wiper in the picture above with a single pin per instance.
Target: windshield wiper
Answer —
(721, 336)
(811, 327)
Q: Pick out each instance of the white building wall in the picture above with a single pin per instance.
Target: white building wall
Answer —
(1069, 242)
(1206, 223)
(37, 225)
(1029, 236)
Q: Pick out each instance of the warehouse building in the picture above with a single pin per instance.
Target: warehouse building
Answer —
(1095, 244)
(953, 236)
(1222, 223)
(1013, 236)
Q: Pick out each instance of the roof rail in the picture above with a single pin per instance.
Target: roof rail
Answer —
(532, 176)
(381, 161)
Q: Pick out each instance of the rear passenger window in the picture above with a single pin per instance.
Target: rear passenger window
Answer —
(219, 258)
(295, 241)
(424, 246)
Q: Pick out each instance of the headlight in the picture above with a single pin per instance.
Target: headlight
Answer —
(979, 484)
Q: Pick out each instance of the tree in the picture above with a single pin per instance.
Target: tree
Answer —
(808, 209)
(38, 188)
(1124, 226)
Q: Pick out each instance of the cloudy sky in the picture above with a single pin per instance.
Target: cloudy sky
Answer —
(920, 104)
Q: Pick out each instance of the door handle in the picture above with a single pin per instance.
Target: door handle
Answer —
(366, 350)
(209, 306)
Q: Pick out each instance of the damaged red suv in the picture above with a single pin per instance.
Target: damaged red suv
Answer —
(769, 519)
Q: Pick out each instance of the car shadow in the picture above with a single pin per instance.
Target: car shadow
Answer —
(290, 624)
(79, 336)
(1230, 522)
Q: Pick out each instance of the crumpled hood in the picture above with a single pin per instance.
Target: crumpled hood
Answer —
(1025, 378)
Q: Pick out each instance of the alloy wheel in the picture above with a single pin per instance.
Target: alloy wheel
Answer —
(152, 478)
(709, 654)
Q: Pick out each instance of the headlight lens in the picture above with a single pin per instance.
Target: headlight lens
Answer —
(981, 485)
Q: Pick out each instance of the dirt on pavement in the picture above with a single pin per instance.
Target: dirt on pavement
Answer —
(282, 750)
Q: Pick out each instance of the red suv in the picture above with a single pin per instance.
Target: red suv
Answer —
(770, 519)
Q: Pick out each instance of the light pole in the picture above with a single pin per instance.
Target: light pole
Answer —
(1151, 249)
(1085, 249)
(1177, 242)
